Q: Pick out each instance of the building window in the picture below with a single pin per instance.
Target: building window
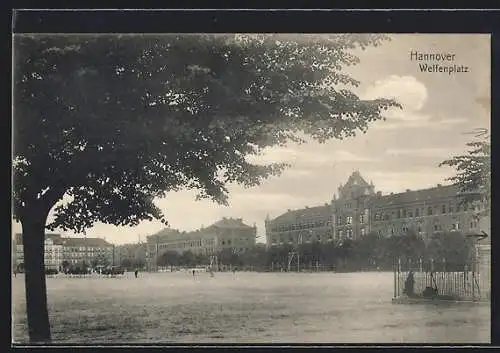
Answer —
(349, 233)
(473, 224)
(339, 220)
(398, 214)
(362, 218)
(339, 233)
(429, 211)
(405, 229)
(419, 229)
(349, 220)
(404, 213)
(410, 214)
(417, 212)
(443, 209)
(363, 232)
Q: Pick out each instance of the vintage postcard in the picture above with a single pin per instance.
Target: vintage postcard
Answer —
(251, 188)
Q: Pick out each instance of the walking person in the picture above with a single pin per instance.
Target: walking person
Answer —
(194, 272)
(136, 272)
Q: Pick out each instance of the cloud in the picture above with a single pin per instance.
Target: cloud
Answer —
(420, 152)
(275, 155)
(400, 181)
(251, 198)
(318, 156)
(297, 173)
(346, 156)
(407, 90)
(419, 121)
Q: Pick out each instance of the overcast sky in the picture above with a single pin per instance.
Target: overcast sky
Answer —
(400, 153)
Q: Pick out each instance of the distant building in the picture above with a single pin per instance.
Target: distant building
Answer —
(53, 256)
(304, 225)
(227, 233)
(359, 210)
(88, 250)
(72, 250)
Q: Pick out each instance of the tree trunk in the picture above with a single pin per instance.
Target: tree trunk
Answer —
(33, 225)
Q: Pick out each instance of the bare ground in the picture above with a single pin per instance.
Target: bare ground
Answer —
(246, 308)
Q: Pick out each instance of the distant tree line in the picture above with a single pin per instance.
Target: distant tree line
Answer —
(371, 252)
(133, 263)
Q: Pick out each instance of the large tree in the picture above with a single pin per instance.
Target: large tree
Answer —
(114, 121)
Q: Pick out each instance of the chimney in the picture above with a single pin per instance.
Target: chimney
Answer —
(439, 185)
(392, 193)
(408, 190)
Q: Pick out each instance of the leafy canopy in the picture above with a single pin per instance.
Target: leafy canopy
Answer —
(115, 121)
(474, 170)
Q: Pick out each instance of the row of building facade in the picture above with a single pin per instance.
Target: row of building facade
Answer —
(359, 209)
(227, 234)
(60, 251)
(356, 211)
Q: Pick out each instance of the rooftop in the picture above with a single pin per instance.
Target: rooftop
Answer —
(409, 196)
(233, 223)
(170, 234)
(93, 242)
(166, 233)
(56, 238)
(304, 214)
(73, 241)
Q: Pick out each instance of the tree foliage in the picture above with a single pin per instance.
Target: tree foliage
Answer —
(474, 170)
(116, 121)
(169, 258)
(100, 260)
(371, 252)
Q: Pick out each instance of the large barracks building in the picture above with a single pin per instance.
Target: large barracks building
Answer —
(228, 233)
(358, 210)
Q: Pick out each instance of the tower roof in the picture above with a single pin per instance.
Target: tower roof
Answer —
(356, 179)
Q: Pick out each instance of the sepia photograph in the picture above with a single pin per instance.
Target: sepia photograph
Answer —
(254, 188)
